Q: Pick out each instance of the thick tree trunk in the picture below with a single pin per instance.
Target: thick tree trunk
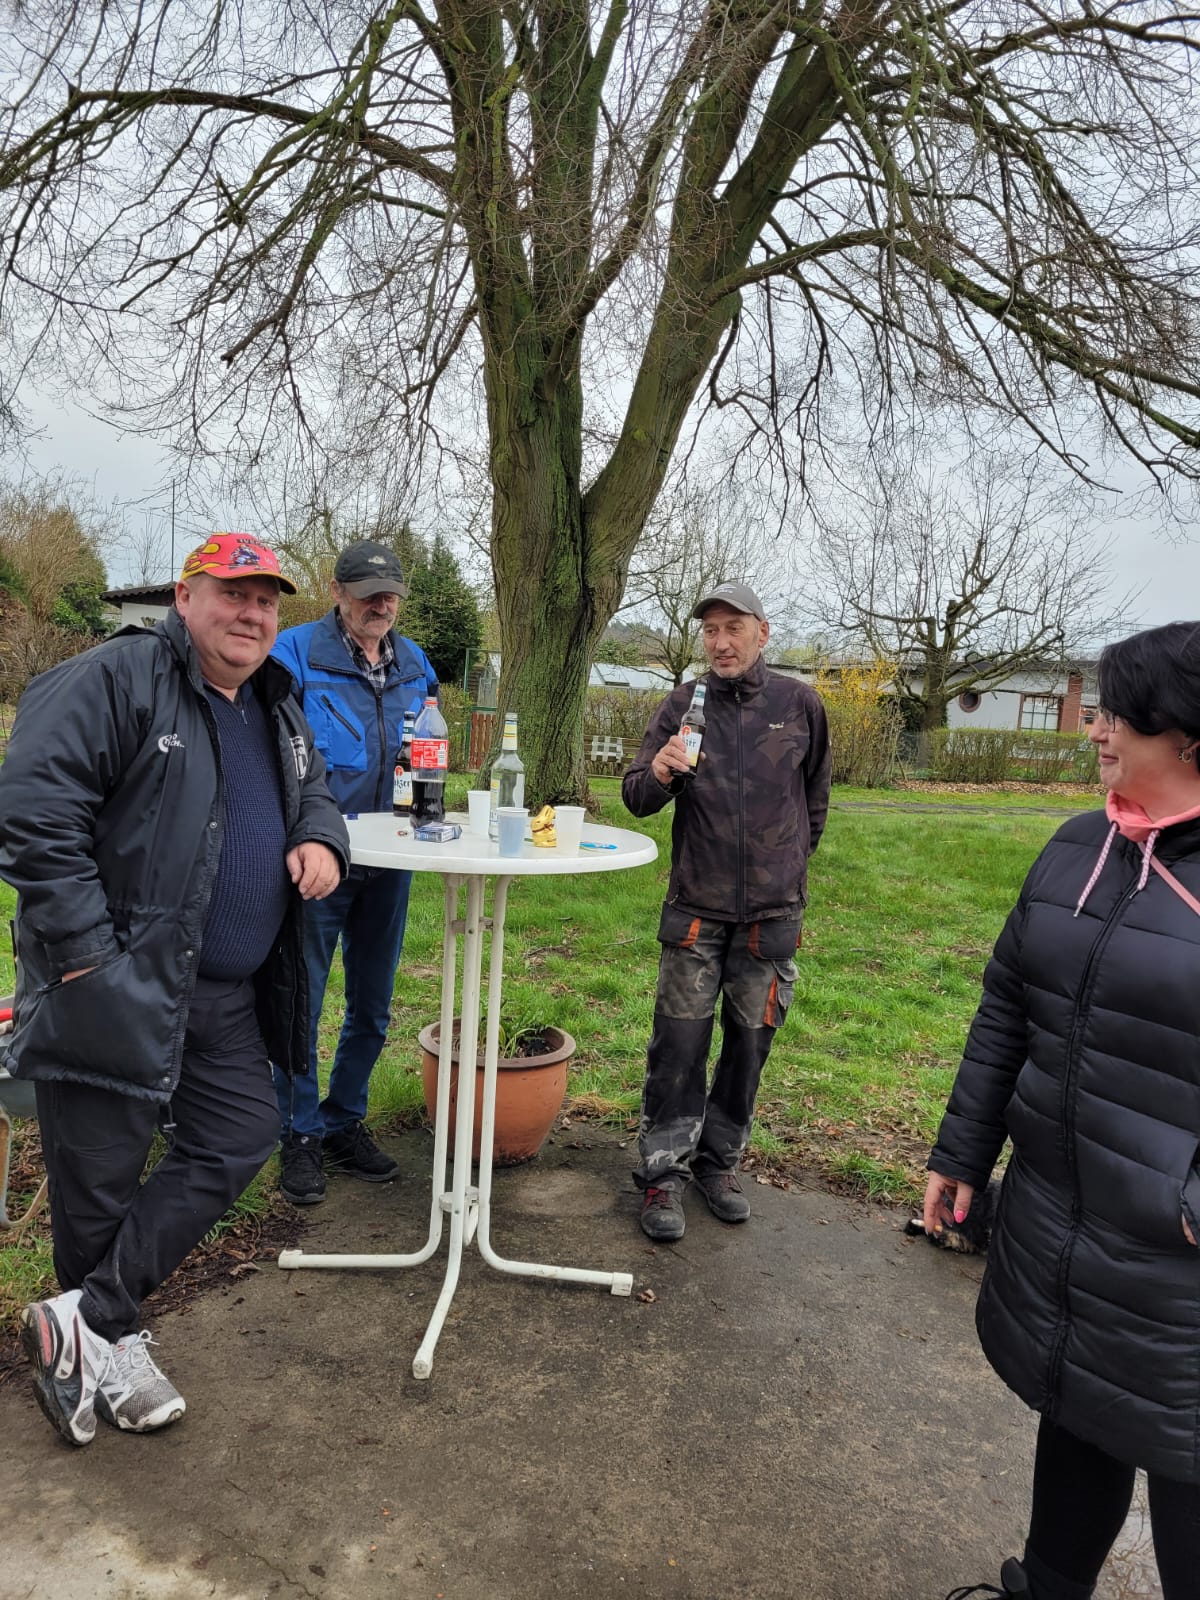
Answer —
(554, 597)
(934, 712)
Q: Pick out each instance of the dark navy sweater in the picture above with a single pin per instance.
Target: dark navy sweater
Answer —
(250, 894)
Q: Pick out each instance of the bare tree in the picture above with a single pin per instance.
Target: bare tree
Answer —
(312, 217)
(145, 550)
(962, 582)
(697, 537)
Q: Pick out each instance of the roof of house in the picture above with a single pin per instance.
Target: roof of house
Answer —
(154, 594)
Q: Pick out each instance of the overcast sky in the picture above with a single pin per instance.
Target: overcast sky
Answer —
(133, 470)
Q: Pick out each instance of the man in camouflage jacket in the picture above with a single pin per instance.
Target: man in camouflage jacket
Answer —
(746, 822)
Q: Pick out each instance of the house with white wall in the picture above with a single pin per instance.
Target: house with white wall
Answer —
(1048, 699)
(140, 604)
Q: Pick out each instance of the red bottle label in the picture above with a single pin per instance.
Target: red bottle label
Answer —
(430, 754)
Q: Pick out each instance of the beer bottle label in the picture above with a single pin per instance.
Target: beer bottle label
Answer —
(691, 742)
(402, 787)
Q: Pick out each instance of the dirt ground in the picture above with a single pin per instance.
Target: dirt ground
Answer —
(792, 1410)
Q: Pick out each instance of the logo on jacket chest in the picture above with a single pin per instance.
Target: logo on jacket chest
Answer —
(168, 742)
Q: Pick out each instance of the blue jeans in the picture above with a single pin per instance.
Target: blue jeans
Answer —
(367, 910)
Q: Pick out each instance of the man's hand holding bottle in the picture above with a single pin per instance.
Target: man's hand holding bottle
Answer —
(671, 761)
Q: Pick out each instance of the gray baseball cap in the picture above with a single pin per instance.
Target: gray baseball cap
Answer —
(736, 595)
(365, 568)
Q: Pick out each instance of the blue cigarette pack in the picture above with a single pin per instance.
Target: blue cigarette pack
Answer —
(437, 832)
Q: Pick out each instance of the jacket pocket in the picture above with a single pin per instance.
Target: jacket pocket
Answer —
(337, 731)
(102, 1027)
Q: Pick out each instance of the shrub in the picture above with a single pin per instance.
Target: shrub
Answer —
(1004, 755)
(969, 755)
(621, 713)
(1054, 758)
(456, 708)
(864, 722)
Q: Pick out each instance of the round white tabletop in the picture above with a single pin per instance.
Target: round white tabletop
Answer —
(378, 839)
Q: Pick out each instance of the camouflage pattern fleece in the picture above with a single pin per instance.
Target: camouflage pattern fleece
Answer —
(746, 823)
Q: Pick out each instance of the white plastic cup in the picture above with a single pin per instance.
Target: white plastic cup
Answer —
(510, 825)
(568, 826)
(479, 805)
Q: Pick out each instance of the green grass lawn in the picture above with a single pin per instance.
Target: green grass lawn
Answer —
(903, 912)
(904, 909)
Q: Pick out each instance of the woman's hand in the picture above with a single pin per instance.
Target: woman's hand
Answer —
(946, 1199)
(1187, 1232)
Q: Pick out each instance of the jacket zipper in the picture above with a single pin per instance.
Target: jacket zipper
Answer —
(1068, 1122)
(741, 814)
(383, 749)
(333, 710)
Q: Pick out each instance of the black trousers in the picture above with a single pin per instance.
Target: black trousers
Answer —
(1081, 1497)
(117, 1237)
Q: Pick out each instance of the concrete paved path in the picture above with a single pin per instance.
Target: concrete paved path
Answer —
(800, 1412)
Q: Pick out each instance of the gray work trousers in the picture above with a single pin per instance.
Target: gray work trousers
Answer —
(687, 1127)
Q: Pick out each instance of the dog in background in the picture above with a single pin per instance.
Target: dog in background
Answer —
(970, 1236)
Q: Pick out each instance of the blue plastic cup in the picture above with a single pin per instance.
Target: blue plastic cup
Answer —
(510, 828)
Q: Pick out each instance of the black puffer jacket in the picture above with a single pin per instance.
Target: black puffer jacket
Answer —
(1086, 1050)
(110, 832)
(747, 822)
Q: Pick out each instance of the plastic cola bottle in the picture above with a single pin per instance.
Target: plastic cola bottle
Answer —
(691, 729)
(430, 760)
(508, 775)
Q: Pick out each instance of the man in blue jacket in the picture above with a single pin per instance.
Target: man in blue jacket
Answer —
(355, 677)
(163, 814)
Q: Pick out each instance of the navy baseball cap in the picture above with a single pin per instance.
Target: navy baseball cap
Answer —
(366, 568)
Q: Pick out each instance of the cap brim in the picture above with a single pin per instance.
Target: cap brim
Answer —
(286, 586)
(724, 600)
(366, 587)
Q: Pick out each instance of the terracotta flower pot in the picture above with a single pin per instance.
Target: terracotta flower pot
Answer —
(529, 1093)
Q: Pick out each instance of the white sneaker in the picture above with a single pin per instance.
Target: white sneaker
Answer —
(134, 1393)
(69, 1360)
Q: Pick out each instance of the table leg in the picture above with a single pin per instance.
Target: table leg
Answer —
(469, 1207)
(616, 1282)
(462, 1197)
(296, 1259)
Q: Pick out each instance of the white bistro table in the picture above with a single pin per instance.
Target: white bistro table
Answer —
(381, 840)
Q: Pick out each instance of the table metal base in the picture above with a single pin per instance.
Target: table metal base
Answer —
(468, 1205)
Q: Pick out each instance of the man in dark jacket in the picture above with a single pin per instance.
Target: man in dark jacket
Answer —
(746, 821)
(163, 814)
(355, 676)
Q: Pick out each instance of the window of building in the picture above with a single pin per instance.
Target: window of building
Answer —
(969, 700)
(1040, 712)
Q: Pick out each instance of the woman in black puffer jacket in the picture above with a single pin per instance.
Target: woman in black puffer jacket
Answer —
(1085, 1052)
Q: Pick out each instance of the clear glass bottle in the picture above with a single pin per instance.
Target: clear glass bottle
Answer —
(691, 729)
(508, 774)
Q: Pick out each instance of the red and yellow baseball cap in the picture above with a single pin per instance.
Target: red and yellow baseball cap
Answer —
(235, 555)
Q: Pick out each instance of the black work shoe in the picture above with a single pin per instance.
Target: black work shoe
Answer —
(662, 1213)
(1012, 1577)
(353, 1151)
(300, 1177)
(723, 1191)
